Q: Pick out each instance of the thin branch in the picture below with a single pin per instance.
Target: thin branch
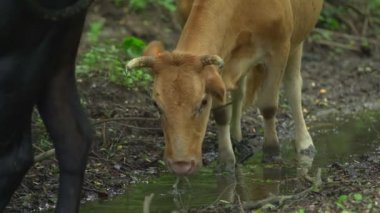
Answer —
(147, 202)
(44, 155)
(124, 119)
(280, 199)
(241, 209)
(140, 128)
(339, 45)
(345, 36)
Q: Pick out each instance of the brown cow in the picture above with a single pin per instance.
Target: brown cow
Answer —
(260, 42)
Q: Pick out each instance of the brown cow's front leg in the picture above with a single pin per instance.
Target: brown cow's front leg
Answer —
(267, 101)
(222, 116)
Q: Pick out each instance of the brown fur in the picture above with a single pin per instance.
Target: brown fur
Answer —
(250, 35)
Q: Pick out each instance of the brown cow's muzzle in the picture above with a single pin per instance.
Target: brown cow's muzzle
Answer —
(183, 168)
(182, 156)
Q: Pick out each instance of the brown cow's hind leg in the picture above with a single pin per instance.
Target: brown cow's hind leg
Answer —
(237, 109)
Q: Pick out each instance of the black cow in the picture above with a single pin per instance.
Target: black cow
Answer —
(38, 46)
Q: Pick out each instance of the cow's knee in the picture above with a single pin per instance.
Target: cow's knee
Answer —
(222, 115)
(268, 113)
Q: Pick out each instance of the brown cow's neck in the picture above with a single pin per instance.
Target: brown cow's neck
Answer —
(206, 29)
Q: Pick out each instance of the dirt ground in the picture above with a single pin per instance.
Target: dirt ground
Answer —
(128, 142)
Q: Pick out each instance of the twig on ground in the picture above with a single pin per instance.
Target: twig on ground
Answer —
(147, 202)
(366, 21)
(280, 199)
(241, 209)
(339, 45)
(124, 119)
(228, 187)
(340, 35)
(44, 155)
(104, 134)
(274, 199)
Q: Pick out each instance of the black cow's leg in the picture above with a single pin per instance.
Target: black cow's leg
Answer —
(66, 122)
(15, 160)
(69, 129)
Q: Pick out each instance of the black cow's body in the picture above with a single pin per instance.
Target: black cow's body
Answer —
(37, 69)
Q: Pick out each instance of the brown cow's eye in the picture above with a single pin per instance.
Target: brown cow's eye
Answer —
(204, 102)
(202, 105)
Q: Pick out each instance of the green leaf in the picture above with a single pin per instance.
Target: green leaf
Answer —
(95, 29)
(300, 211)
(138, 4)
(358, 197)
(342, 198)
(133, 46)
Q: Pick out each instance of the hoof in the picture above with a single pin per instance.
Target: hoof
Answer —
(226, 167)
(274, 159)
(308, 152)
(243, 150)
(271, 155)
(305, 157)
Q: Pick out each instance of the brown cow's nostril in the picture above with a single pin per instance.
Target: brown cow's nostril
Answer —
(182, 167)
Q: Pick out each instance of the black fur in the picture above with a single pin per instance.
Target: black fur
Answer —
(37, 65)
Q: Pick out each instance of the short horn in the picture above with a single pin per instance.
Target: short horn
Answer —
(212, 60)
(140, 62)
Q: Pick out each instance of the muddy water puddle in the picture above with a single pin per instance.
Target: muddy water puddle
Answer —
(337, 141)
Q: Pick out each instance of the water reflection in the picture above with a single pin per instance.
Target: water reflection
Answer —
(335, 141)
(206, 189)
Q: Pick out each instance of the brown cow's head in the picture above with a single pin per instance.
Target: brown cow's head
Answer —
(183, 88)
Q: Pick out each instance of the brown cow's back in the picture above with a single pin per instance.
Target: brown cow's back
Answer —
(268, 20)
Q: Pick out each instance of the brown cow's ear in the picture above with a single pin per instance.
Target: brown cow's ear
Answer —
(154, 48)
(214, 84)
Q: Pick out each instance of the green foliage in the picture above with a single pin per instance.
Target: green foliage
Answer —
(142, 4)
(374, 5)
(167, 4)
(300, 211)
(107, 59)
(133, 46)
(357, 197)
(94, 31)
(346, 202)
(138, 4)
(340, 202)
(328, 18)
(118, 3)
